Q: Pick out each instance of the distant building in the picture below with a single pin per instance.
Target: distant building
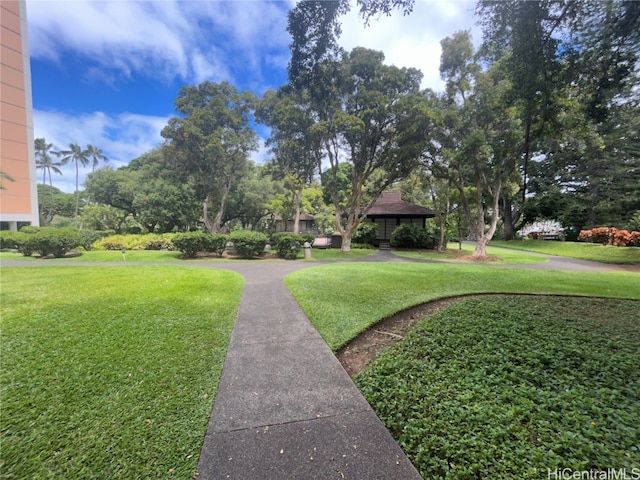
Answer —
(306, 224)
(19, 196)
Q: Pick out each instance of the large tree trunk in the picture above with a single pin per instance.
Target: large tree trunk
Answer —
(297, 198)
(441, 219)
(509, 228)
(483, 237)
(208, 223)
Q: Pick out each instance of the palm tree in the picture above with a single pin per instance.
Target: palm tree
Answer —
(78, 156)
(45, 162)
(96, 156)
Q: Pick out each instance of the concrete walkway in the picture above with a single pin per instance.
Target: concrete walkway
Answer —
(285, 407)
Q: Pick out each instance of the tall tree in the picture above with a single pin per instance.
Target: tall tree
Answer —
(297, 152)
(45, 162)
(375, 121)
(79, 157)
(557, 53)
(524, 36)
(96, 155)
(479, 143)
(211, 141)
(164, 197)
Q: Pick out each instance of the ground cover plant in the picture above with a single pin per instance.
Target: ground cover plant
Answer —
(514, 387)
(585, 251)
(454, 254)
(110, 372)
(344, 299)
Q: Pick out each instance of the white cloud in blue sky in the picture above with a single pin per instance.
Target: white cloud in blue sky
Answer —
(107, 72)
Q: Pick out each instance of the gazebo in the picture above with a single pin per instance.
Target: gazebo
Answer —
(389, 211)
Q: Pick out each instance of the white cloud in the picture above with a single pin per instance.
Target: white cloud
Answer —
(412, 40)
(121, 137)
(192, 41)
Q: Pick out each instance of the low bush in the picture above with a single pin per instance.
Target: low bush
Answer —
(56, 241)
(408, 235)
(288, 245)
(150, 241)
(159, 242)
(216, 243)
(89, 237)
(610, 236)
(248, 244)
(7, 239)
(23, 242)
(190, 243)
(365, 233)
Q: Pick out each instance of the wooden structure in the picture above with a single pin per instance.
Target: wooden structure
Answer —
(389, 211)
(306, 224)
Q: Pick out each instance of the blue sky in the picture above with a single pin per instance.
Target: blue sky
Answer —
(107, 72)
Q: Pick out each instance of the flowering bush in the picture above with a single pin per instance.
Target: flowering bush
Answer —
(610, 236)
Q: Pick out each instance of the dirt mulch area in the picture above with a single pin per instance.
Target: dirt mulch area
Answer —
(363, 349)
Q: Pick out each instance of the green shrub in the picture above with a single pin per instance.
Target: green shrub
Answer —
(89, 237)
(248, 244)
(56, 241)
(149, 241)
(7, 239)
(288, 245)
(365, 233)
(24, 243)
(30, 229)
(190, 243)
(216, 243)
(154, 241)
(411, 236)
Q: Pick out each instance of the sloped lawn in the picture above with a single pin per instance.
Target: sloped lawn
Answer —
(514, 387)
(110, 372)
(585, 251)
(344, 299)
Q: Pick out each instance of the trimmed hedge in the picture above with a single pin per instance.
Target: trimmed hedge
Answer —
(217, 243)
(150, 241)
(190, 243)
(288, 245)
(248, 244)
(44, 241)
(21, 241)
(408, 235)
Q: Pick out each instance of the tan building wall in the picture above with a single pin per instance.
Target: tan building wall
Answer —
(18, 198)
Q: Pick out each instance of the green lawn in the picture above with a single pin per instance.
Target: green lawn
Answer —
(329, 254)
(110, 372)
(511, 387)
(584, 251)
(453, 254)
(344, 299)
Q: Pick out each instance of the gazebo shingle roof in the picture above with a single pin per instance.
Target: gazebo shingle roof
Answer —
(391, 204)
